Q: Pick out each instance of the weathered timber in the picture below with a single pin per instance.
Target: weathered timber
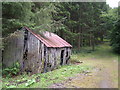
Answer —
(13, 50)
(33, 53)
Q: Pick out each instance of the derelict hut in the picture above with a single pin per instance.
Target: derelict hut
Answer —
(44, 52)
(36, 52)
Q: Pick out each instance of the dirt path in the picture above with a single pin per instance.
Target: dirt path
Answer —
(104, 74)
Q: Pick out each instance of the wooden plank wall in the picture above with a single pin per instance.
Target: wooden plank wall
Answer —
(54, 58)
(35, 55)
(13, 50)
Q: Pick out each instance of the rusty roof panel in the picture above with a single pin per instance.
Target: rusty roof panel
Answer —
(50, 39)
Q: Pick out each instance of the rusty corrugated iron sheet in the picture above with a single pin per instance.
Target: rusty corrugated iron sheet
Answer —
(51, 39)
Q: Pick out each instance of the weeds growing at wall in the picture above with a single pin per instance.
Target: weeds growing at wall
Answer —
(11, 71)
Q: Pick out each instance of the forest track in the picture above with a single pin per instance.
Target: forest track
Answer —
(104, 74)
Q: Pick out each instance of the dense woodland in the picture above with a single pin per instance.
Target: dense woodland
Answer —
(81, 24)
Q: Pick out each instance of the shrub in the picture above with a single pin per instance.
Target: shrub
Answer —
(11, 71)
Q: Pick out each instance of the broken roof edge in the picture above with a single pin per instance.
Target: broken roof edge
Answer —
(47, 44)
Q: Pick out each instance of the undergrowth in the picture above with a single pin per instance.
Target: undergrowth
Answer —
(103, 50)
(45, 79)
(11, 71)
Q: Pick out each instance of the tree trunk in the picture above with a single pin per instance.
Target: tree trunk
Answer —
(101, 38)
(90, 40)
(79, 41)
(93, 43)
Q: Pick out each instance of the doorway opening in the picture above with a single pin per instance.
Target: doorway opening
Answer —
(62, 55)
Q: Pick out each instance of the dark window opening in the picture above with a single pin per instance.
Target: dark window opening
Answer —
(49, 65)
(25, 44)
(25, 54)
(44, 51)
(25, 38)
(62, 55)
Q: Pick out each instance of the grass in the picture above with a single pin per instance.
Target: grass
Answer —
(45, 79)
(103, 57)
(101, 51)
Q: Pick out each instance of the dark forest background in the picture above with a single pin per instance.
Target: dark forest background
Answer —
(79, 23)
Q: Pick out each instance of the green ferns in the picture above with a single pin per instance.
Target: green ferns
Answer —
(11, 71)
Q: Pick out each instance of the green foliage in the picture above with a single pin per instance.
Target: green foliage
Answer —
(109, 18)
(115, 37)
(15, 15)
(45, 79)
(11, 71)
(110, 27)
(37, 16)
(81, 21)
(43, 17)
(103, 52)
(30, 82)
(74, 22)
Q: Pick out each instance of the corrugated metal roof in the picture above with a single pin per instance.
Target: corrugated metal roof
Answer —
(50, 39)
